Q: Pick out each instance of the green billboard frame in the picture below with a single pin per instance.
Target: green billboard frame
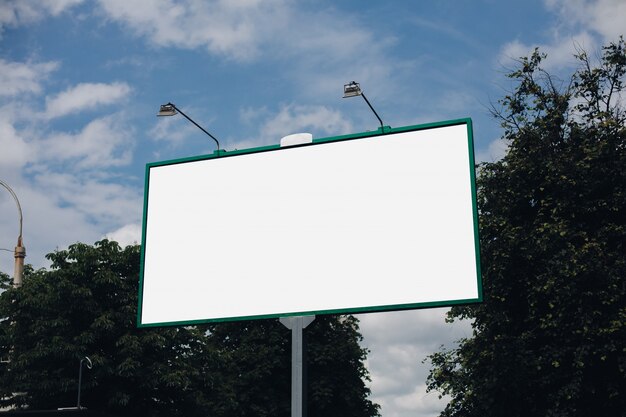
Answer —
(384, 131)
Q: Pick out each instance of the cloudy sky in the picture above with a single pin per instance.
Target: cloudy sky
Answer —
(81, 82)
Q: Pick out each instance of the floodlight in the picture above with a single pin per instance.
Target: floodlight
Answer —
(167, 110)
(170, 109)
(353, 89)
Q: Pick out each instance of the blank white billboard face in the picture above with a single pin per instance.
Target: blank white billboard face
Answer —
(352, 225)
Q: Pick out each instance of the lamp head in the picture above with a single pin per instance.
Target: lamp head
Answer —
(167, 110)
(352, 89)
(88, 362)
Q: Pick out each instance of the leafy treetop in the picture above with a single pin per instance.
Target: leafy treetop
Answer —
(550, 337)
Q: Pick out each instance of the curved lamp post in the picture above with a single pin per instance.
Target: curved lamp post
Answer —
(20, 250)
(80, 376)
(170, 109)
(353, 89)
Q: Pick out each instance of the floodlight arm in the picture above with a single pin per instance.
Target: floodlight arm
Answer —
(376, 114)
(353, 89)
(197, 125)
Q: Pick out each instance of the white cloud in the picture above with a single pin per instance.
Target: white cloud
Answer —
(173, 130)
(62, 179)
(66, 193)
(337, 52)
(252, 115)
(85, 96)
(418, 402)
(19, 12)
(582, 24)
(243, 29)
(296, 118)
(443, 28)
(15, 151)
(318, 50)
(233, 29)
(605, 17)
(108, 203)
(495, 151)
(56, 7)
(104, 142)
(20, 78)
(319, 120)
(398, 343)
(129, 234)
(61, 209)
(560, 50)
(46, 224)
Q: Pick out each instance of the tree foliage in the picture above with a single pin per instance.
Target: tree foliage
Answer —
(86, 305)
(336, 374)
(550, 337)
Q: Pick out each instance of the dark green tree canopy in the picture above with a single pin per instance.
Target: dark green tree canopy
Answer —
(86, 305)
(336, 374)
(550, 337)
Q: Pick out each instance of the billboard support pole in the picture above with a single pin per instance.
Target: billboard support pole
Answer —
(297, 325)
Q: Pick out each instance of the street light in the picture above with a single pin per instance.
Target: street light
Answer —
(170, 109)
(20, 250)
(353, 89)
(80, 376)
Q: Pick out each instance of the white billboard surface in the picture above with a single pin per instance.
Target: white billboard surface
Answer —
(361, 224)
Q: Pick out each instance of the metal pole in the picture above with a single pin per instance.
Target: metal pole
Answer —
(80, 377)
(297, 325)
(80, 382)
(20, 250)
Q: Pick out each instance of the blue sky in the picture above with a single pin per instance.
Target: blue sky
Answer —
(81, 82)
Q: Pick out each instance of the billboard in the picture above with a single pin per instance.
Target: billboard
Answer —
(367, 222)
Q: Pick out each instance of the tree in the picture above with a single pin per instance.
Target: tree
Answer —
(257, 358)
(550, 337)
(86, 305)
(336, 372)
